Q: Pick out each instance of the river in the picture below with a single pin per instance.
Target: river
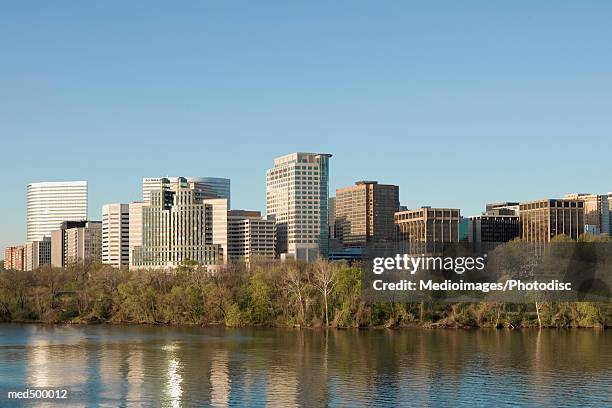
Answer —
(187, 366)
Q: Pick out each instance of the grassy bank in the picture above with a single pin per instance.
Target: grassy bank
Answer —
(271, 294)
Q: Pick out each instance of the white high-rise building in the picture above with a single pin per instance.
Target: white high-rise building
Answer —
(250, 236)
(115, 234)
(207, 187)
(51, 203)
(297, 198)
(219, 223)
(135, 228)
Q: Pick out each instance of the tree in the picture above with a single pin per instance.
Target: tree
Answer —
(297, 288)
(325, 278)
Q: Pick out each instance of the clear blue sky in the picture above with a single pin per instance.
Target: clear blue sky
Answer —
(458, 102)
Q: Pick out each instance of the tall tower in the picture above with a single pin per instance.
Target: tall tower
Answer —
(51, 203)
(297, 197)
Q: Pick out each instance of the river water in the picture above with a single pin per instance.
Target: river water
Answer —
(182, 366)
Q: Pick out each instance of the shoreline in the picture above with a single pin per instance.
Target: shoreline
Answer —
(430, 326)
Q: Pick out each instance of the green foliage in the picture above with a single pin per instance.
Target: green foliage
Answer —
(271, 294)
(234, 316)
(259, 299)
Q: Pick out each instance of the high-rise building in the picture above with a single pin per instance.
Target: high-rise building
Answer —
(205, 187)
(490, 229)
(76, 242)
(596, 212)
(37, 254)
(297, 197)
(219, 209)
(250, 236)
(365, 213)
(51, 203)
(14, 258)
(543, 220)
(177, 226)
(135, 228)
(116, 234)
(150, 184)
(331, 217)
(500, 223)
(427, 230)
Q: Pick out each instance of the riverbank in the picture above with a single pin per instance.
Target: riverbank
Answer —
(271, 294)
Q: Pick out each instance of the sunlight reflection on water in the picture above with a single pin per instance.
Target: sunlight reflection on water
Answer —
(135, 366)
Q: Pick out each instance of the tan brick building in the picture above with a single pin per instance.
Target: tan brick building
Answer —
(596, 212)
(427, 230)
(543, 220)
(364, 213)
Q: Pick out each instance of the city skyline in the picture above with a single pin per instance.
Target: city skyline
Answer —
(99, 215)
(95, 214)
(479, 103)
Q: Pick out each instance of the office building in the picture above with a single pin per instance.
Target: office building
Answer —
(14, 258)
(427, 230)
(135, 228)
(250, 236)
(51, 203)
(297, 194)
(177, 227)
(596, 212)
(543, 220)
(115, 234)
(365, 213)
(151, 184)
(76, 242)
(37, 254)
(490, 229)
(334, 243)
(331, 217)
(205, 187)
(219, 209)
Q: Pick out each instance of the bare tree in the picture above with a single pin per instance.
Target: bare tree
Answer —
(297, 287)
(325, 278)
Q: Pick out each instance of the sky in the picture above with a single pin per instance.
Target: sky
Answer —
(459, 103)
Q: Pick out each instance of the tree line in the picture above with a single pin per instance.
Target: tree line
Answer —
(272, 293)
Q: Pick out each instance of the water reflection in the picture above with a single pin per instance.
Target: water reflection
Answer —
(173, 387)
(135, 377)
(219, 378)
(136, 366)
(282, 389)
